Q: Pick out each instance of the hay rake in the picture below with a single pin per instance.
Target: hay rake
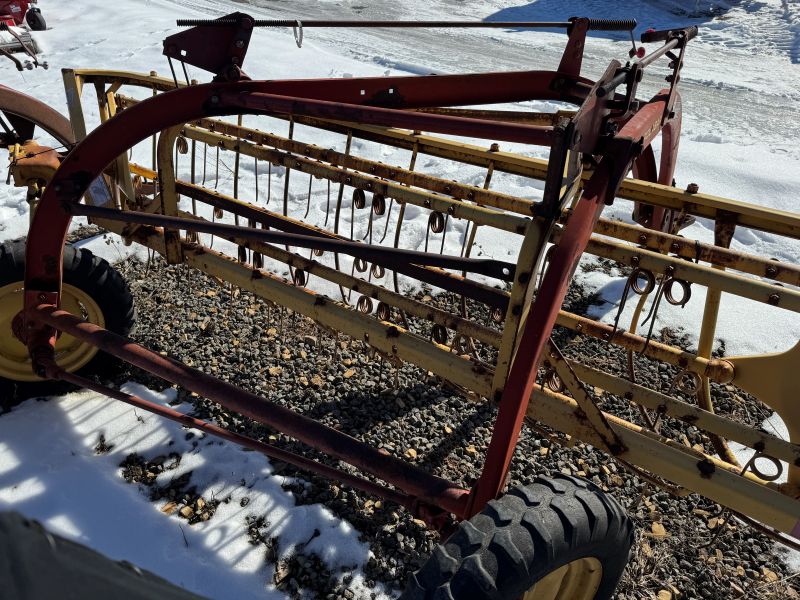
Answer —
(346, 265)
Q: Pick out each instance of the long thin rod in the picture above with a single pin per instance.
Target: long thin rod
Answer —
(392, 257)
(594, 24)
(301, 462)
(409, 478)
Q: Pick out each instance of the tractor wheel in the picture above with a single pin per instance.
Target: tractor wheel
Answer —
(35, 19)
(92, 289)
(558, 538)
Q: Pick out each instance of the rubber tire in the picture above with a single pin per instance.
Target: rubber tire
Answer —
(516, 540)
(35, 20)
(90, 273)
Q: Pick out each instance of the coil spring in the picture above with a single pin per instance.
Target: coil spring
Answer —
(227, 22)
(612, 24)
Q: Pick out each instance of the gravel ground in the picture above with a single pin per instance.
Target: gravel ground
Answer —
(683, 550)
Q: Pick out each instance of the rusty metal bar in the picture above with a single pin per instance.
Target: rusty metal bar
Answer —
(377, 292)
(692, 249)
(719, 370)
(689, 413)
(744, 287)
(675, 462)
(338, 173)
(395, 258)
(410, 479)
(292, 458)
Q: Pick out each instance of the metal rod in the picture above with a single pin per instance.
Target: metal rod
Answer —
(412, 480)
(269, 450)
(594, 24)
(391, 256)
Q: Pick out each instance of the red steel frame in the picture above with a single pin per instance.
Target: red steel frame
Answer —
(364, 101)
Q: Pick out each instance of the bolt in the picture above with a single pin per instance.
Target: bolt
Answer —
(643, 238)
(774, 299)
(42, 297)
(674, 247)
(240, 43)
(772, 271)
(494, 147)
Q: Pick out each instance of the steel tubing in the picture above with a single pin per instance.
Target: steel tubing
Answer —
(412, 480)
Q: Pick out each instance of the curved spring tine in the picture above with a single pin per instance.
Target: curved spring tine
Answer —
(444, 232)
(205, 163)
(388, 216)
(470, 233)
(652, 315)
(369, 229)
(216, 175)
(269, 182)
(308, 200)
(397, 230)
(255, 171)
(412, 163)
(286, 174)
(622, 302)
(328, 205)
(338, 212)
(256, 256)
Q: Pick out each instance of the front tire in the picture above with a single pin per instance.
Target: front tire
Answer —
(92, 289)
(35, 19)
(557, 538)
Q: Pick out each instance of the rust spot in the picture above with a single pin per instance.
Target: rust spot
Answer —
(690, 418)
(479, 369)
(257, 274)
(797, 462)
(706, 468)
(319, 301)
(628, 396)
(759, 446)
(683, 362)
(523, 277)
(516, 310)
(521, 229)
(498, 395)
(392, 332)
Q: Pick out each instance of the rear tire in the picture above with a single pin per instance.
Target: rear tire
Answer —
(35, 19)
(91, 278)
(552, 526)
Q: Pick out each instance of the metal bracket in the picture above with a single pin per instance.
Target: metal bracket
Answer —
(219, 50)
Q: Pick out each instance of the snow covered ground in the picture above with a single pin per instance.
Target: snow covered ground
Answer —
(741, 88)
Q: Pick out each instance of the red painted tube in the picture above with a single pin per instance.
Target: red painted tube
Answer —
(447, 124)
(298, 461)
(412, 480)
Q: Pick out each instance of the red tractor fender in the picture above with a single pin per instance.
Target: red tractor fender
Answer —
(14, 10)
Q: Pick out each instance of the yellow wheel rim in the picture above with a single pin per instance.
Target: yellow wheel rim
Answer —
(578, 580)
(71, 355)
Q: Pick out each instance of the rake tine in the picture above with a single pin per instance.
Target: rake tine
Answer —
(287, 173)
(269, 182)
(388, 216)
(337, 214)
(328, 204)
(308, 201)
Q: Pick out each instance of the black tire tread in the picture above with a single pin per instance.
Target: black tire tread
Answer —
(88, 272)
(519, 538)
